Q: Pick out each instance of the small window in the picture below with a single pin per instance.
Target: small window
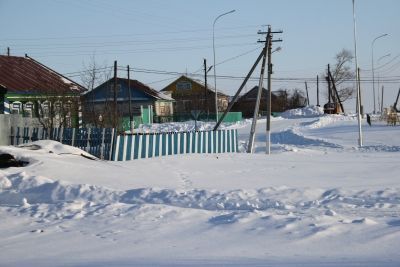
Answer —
(183, 85)
(57, 106)
(46, 109)
(28, 107)
(16, 107)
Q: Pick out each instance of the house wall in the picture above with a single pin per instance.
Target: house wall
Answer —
(163, 108)
(3, 91)
(100, 102)
(247, 103)
(190, 95)
(30, 106)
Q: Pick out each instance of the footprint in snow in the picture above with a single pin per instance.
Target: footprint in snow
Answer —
(186, 183)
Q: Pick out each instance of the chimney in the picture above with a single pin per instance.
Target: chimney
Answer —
(8, 51)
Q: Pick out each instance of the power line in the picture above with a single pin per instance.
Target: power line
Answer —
(120, 43)
(163, 80)
(132, 51)
(123, 35)
(384, 79)
(235, 57)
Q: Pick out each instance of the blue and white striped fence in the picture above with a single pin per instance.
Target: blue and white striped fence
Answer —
(139, 146)
(96, 141)
(6, 107)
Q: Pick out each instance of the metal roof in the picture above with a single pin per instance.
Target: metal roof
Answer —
(135, 84)
(25, 75)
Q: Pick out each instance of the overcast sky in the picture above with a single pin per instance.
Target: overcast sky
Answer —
(160, 39)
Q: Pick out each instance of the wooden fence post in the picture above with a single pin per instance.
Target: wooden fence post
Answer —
(61, 135)
(111, 144)
(88, 140)
(103, 133)
(73, 137)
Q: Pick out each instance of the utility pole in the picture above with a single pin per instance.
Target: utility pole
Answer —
(268, 47)
(383, 88)
(268, 126)
(259, 94)
(360, 137)
(318, 91)
(331, 86)
(236, 96)
(269, 97)
(308, 99)
(131, 122)
(328, 79)
(337, 97)
(359, 90)
(115, 124)
(205, 84)
(206, 107)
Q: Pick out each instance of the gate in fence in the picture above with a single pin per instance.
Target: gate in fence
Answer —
(139, 146)
(96, 141)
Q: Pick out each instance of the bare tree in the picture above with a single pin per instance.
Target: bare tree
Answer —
(342, 72)
(297, 99)
(93, 75)
(288, 99)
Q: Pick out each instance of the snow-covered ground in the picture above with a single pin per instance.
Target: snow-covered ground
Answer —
(317, 200)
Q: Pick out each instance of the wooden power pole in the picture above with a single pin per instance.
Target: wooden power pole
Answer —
(259, 94)
(318, 91)
(267, 53)
(205, 88)
(115, 115)
(131, 122)
(308, 99)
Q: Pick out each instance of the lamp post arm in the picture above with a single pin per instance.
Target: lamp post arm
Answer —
(373, 70)
(215, 72)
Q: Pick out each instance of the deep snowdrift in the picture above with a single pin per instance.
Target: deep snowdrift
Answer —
(317, 200)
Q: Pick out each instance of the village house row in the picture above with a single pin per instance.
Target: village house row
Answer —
(29, 88)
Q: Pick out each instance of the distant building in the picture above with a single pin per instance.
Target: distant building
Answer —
(99, 102)
(190, 94)
(247, 102)
(29, 88)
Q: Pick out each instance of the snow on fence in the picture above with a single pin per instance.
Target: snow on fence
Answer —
(96, 141)
(139, 146)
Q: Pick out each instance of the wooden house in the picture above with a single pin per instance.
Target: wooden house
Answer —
(131, 98)
(35, 90)
(190, 94)
(247, 102)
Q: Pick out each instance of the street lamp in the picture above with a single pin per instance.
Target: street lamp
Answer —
(379, 59)
(373, 74)
(215, 74)
(360, 139)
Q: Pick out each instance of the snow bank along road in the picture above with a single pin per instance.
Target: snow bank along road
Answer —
(318, 200)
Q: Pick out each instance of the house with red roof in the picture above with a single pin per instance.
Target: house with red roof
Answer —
(30, 88)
